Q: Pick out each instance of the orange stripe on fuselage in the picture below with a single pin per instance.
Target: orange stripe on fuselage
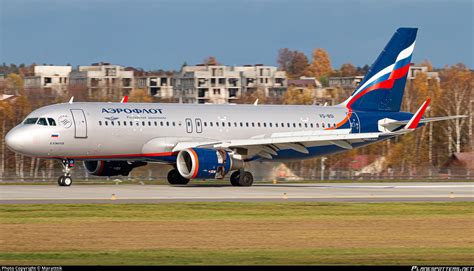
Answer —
(342, 122)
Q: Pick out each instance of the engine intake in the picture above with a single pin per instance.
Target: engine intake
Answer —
(200, 163)
(111, 168)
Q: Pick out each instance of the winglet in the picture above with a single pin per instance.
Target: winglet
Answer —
(124, 99)
(413, 123)
(71, 100)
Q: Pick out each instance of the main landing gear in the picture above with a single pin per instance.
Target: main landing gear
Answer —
(175, 178)
(66, 179)
(241, 178)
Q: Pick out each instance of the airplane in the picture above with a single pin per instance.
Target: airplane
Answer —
(203, 141)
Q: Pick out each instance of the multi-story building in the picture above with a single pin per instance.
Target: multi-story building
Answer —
(52, 78)
(225, 84)
(103, 79)
(157, 84)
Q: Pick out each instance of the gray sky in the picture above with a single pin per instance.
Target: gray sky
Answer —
(164, 34)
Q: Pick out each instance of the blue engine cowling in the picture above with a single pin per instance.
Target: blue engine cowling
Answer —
(199, 163)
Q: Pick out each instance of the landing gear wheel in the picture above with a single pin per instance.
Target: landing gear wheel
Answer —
(60, 180)
(244, 179)
(175, 178)
(67, 181)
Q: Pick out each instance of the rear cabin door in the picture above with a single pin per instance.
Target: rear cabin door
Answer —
(80, 123)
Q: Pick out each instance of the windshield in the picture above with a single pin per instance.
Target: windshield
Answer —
(42, 121)
(30, 121)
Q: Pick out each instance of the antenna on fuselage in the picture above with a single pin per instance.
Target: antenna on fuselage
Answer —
(71, 100)
(256, 102)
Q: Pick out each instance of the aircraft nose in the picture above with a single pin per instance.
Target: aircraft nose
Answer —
(15, 140)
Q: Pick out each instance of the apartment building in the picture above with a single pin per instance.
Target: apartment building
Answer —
(225, 84)
(54, 79)
(103, 79)
(157, 84)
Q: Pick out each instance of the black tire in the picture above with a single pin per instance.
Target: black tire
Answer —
(234, 178)
(175, 178)
(245, 180)
(67, 181)
(60, 181)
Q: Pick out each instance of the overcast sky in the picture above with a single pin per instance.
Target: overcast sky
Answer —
(164, 34)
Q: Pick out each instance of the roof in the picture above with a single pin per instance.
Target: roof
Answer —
(302, 83)
(460, 159)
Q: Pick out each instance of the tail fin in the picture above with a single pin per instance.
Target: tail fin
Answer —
(383, 86)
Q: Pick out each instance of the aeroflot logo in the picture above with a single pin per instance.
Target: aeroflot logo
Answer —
(129, 111)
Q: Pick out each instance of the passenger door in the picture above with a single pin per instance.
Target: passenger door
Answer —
(80, 123)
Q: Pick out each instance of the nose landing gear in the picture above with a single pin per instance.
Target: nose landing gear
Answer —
(66, 179)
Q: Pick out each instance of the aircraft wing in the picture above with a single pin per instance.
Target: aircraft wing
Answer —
(268, 145)
(425, 120)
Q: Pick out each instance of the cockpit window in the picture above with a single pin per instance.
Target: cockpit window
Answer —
(42, 121)
(51, 122)
(30, 121)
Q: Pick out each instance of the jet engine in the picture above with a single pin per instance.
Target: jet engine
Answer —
(201, 163)
(111, 168)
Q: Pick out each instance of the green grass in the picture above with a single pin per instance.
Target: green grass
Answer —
(64, 213)
(344, 233)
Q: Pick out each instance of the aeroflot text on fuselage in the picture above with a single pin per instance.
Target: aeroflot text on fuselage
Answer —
(129, 111)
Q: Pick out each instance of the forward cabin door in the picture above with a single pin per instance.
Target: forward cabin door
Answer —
(80, 123)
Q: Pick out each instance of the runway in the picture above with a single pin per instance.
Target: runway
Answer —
(323, 192)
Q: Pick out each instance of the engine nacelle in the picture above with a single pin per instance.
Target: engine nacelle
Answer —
(111, 168)
(200, 163)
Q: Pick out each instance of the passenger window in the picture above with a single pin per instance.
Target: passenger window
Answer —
(149, 123)
(167, 123)
(124, 123)
(305, 125)
(42, 121)
(253, 124)
(258, 124)
(106, 123)
(161, 123)
(235, 124)
(276, 124)
(334, 125)
(317, 125)
(270, 124)
(51, 122)
(322, 124)
(229, 124)
(299, 124)
(217, 124)
(241, 124)
(118, 123)
(311, 124)
(174, 123)
(223, 124)
(131, 123)
(282, 125)
(143, 123)
(264, 124)
(205, 124)
(294, 125)
(156, 124)
(288, 124)
(210, 123)
(100, 123)
(247, 124)
(329, 125)
(112, 123)
(30, 121)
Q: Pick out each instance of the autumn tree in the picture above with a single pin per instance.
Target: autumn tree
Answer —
(210, 61)
(299, 96)
(321, 64)
(293, 62)
(347, 69)
(250, 97)
(139, 95)
(457, 82)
